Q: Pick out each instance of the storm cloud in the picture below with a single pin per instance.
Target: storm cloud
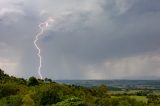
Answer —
(90, 39)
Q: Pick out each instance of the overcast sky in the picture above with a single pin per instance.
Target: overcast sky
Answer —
(90, 39)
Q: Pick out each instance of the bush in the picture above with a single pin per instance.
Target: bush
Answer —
(49, 97)
(27, 101)
(71, 101)
(32, 81)
(8, 89)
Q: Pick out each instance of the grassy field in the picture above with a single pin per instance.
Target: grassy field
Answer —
(132, 94)
(140, 98)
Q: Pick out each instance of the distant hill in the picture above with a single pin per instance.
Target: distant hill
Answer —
(124, 84)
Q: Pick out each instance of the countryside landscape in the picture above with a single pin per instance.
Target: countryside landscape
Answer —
(79, 52)
(36, 92)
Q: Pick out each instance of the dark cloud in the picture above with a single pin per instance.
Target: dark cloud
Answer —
(89, 39)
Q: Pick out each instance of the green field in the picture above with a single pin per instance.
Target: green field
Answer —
(139, 98)
(132, 92)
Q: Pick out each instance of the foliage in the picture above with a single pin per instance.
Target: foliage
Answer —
(35, 92)
(71, 101)
(32, 81)
(154, 99)
(27, 100)
(7, 89)
(49, 97)
(14, 100)
(144, 93)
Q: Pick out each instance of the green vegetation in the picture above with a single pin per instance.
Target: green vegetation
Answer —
(36, 92)
(140, 98)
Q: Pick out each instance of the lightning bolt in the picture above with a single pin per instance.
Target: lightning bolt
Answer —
(42, 26)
